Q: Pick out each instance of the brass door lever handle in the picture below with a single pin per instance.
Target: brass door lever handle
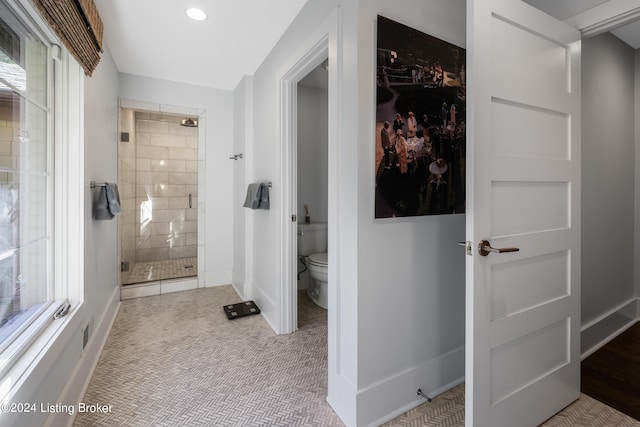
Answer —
(484, 248)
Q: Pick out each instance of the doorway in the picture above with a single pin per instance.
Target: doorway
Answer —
(158, 177)
(324, 43)
(312, 180)
(309, 65)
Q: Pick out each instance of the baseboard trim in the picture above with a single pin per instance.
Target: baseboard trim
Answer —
(246, 287)
(397, 394)
(598, 332)
(342, 397)
(268, 307)
(76, 386)
(437, 392)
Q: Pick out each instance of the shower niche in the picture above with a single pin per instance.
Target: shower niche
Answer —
(158, 183)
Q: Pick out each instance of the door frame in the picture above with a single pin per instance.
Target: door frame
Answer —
(288, 85)
(319, 47)
(324, 42)
(201, 114)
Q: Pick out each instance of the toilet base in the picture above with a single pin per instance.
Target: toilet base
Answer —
(317, 292)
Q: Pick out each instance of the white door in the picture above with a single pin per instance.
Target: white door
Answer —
(523, 323)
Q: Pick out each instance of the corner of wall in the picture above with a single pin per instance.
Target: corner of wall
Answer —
(609, 325)
(396, 395)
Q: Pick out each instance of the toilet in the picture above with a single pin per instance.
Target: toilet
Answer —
(312, 244)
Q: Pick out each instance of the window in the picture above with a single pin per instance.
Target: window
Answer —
(26, 186)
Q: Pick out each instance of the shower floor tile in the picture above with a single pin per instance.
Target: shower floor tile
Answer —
(160, 270)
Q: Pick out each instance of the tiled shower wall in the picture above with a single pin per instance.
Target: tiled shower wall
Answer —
(166, 176)
(158, 172)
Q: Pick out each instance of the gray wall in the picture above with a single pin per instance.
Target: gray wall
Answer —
(608, 175)
(100, 165)
(312, 153)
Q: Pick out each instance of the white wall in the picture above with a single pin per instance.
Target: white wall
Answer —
(266, 152)
(608, 175)
(411, 271)
(399, 325)
(241, 109)
(219, 143)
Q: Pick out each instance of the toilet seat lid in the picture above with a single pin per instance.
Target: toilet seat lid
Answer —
(319, 259)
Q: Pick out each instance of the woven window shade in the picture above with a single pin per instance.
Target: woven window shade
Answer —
(79, 27)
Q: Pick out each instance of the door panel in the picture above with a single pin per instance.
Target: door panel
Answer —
(513, 203)
(524, 175)
(519, 362)
(517, 49)
(526, 131)
(518, 286)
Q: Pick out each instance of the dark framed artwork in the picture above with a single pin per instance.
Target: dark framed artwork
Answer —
(420, 123)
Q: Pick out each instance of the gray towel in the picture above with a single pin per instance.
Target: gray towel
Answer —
(257, 196)
(252, 201)
(113, 198)
(264, 196)
(101, 206)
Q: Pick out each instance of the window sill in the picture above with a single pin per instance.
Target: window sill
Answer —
(24, 377)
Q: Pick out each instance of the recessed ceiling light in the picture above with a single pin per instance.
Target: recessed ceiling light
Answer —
(196, 14)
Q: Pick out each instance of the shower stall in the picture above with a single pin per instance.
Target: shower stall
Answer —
(158, 184)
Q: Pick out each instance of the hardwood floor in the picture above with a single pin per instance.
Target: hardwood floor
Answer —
(612, 374)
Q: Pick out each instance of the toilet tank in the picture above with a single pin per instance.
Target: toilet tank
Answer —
(312, 238)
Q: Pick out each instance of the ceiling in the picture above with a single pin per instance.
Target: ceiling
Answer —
(596, 16)
(154, 38)
(629, 33)
(564, 9)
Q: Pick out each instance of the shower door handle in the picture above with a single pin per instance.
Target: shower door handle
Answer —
(190, 201)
